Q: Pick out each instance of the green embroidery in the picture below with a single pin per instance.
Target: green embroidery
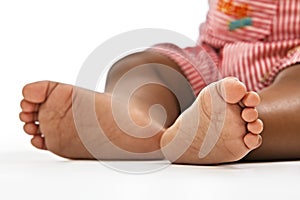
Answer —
(233, 25)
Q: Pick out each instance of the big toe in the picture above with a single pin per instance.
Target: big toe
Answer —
(231, 89)
(37, 92)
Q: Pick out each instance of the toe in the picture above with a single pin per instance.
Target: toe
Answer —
(28, 117)
(232, 90)
(251, 99)
(249, 114)
(39, 142)
(31, 128)
(37, 92)
(255, 127)
(252, 141)
(28, 106)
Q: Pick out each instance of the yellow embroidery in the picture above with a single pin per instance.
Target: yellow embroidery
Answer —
(233, 9)
(294, 50)
(264, 78)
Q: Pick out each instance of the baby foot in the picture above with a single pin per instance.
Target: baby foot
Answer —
(47, 111)
(47, 114)
(221, 126)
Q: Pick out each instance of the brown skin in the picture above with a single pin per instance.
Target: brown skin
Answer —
(280, 111)
(148, 95)
(51, 104)
(47, 102)
(279, 108)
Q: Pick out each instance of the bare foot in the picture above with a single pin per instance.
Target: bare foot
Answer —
(47, 111)
(227, 126)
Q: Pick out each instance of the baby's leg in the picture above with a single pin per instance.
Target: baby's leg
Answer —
(280, 111)
(47, 111)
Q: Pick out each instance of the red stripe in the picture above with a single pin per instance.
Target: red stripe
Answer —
(255, 54)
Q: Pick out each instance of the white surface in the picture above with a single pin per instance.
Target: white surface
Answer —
(39, 175)
(50, 40)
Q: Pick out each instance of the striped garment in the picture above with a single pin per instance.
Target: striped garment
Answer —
(251, 40)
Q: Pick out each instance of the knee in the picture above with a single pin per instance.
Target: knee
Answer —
(124, 65)
(127, 63)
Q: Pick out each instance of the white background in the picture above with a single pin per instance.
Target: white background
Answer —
(49, 40)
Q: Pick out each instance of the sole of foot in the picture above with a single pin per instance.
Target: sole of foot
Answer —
(48, 114)
(221, 126)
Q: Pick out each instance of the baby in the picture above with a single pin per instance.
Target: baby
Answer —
(254, 93)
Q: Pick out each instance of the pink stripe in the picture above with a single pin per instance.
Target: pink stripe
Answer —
(255, 54)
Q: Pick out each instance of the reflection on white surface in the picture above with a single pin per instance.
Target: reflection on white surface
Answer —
(40, 175)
